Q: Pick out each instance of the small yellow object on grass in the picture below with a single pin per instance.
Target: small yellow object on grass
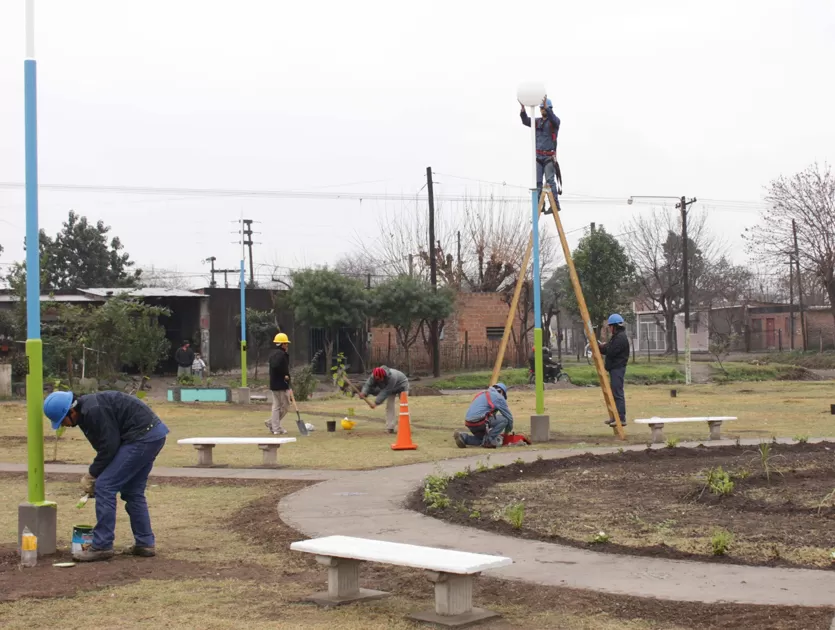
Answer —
(348, 424)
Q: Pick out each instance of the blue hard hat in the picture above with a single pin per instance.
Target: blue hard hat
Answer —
(502, 388)
(548, 103)
(56, 407)
(615, 320)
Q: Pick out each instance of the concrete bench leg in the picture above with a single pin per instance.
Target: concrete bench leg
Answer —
(343, 583)
(657, 433)
(270, 454)
(453, 602)
(204, 454)
(715, 427)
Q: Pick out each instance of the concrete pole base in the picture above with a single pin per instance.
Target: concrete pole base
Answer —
(42, 520)
(540, 428)
(241, 395)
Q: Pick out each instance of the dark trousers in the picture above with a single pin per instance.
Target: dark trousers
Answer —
(616, 377)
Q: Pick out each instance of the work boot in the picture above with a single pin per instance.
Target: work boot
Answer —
(93, 555)
(142, 552)
(459, 439)
(281, 431)
(267, 424)
(390, 431)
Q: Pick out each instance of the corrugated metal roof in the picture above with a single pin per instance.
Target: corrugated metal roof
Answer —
(55, 298)
(148, 292)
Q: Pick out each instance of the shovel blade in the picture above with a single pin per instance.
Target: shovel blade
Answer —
(301, 426)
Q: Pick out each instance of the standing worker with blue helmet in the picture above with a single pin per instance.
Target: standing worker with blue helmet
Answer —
(547, 128)
(127, 437)
(488, 419)
(616, 351)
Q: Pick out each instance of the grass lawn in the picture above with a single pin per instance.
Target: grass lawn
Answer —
(764, 409)
(224, 563)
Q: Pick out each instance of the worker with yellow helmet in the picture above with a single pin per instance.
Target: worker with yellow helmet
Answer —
(279, 384)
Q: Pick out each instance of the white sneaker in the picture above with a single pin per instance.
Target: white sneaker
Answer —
(281, 431)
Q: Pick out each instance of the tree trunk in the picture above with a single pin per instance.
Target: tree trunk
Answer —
(69, 370)
(328, 353)
(257, 357)
(669, 324)
(408, 360)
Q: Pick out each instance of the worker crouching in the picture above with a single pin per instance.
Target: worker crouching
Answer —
(488, 419)
(127, 437)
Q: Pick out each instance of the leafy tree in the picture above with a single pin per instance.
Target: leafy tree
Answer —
(606, 275)
(260, 330)
(80, 256)
(407, 304)
(322, 298)
(65, 336)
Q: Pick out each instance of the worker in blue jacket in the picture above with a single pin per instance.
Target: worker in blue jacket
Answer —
(127, 437)
(547, 129)
(488, 419)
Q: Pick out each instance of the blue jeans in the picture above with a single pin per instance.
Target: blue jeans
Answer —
(127, 475)
(616, 378)
(491, 433)
(546, 169)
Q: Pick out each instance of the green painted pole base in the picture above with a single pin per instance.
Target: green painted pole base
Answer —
(243, 364)
(34, 420)
(540, 387)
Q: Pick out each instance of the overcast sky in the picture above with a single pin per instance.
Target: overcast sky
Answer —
(710, 99)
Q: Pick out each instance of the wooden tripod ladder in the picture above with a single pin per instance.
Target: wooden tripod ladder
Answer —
(605, 386)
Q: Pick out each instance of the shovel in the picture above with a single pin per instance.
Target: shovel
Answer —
(302, 428)
(358, 392)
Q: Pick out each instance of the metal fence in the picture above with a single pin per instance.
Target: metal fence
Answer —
(454, 357)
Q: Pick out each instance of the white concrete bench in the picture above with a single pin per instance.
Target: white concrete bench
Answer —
(204, 447)
(657, 425)
(451, 571)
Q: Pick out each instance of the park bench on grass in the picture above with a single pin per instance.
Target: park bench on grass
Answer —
(204, 446)
(657, 425)
(451, 571)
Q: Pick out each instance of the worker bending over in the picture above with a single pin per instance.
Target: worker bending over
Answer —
(547, 128)
(488, 419)
(386, 384)
(127, 437)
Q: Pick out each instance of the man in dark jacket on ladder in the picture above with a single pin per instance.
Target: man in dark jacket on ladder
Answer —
(617, 356)
(127, 437)
(547, 129)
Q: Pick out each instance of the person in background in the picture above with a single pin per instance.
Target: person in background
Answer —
(616, 351)
(488, 419)
(547, 128)
(185, 359)
(279, 384)
(386, 384)
(198, 367)
(127, 437)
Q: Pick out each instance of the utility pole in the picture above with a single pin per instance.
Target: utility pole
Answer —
(212, 260)
(411, 265)
(791, 300)
(592, 227)
(799, 286)
(685, 273)
(247, 232)
(433, 273)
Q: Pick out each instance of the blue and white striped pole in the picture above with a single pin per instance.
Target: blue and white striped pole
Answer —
(537, 314)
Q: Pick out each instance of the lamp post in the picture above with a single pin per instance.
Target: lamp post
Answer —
(685, 272)
(531, 95)
(39, 515)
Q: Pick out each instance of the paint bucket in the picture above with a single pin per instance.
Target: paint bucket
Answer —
(82, 538)
(331, 426)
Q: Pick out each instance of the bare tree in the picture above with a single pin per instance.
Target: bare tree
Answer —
(806, 199)
(656, 250)
(166, 279)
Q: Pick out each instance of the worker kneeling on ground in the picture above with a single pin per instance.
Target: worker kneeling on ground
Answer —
(386, 384)
(488, 419)
(127, 437)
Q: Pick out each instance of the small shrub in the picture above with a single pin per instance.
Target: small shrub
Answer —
(518, 461)
(766, 458)
(303, 381)
(515, 515)
(621, 451)
(460, 474)
(720, 542)
(475, 514)
(539, 458)
(672, 442)
(600, 538)
(434, 492)
(481, 466)
(801, 439)
(742, 474)
(185, 380)
(828, 500)
(719, 482)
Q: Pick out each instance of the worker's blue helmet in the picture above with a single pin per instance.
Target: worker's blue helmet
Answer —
(56, 407)
(548, 103)
(502, 388)
(615, 320)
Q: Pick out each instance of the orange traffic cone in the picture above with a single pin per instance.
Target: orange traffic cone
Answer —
(404, 427)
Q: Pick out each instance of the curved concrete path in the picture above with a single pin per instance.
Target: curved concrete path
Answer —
(369, 504)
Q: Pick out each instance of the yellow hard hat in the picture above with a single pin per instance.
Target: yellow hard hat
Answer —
(348, 424)
(281, 338)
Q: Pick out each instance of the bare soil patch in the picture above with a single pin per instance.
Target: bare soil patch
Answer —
(657, 502)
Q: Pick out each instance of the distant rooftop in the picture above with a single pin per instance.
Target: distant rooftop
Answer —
(145, 292)
(6, 298)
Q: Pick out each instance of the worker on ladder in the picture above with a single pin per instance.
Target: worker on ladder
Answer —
(547, 128)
